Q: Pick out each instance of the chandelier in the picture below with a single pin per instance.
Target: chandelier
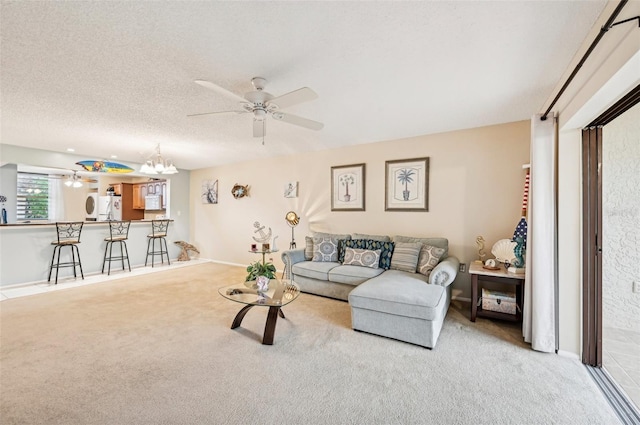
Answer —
(158, 165)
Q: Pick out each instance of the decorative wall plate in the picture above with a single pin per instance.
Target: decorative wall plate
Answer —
(238, 191)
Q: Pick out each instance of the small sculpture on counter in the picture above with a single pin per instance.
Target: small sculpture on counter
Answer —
(519, 251)
(481, 253)
(186, 247)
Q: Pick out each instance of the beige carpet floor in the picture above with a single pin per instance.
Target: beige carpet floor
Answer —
(158, 349)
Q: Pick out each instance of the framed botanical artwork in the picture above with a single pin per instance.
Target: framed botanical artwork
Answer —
(209, 191)
(407, 185)
(347, 187)
(291, 190)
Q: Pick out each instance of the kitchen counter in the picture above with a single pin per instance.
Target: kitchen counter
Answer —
(26, 250)
(53, 223)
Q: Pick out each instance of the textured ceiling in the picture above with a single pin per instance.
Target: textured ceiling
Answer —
(117, 78)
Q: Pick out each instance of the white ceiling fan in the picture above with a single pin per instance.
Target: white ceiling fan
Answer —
(74, 179)
(261, 104)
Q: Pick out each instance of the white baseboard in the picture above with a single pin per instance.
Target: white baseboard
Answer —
(244, 266)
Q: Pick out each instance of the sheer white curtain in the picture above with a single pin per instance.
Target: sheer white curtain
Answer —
(56, 199)
(539, 312)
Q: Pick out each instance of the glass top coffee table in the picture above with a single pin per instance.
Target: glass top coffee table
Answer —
(279, 294)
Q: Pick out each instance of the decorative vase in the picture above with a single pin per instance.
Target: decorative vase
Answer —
(262, 283)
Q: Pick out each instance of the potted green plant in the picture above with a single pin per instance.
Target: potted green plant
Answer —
(260, 269)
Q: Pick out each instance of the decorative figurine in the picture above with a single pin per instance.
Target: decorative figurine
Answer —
(481, 253)
(186, 247)
(519, 251)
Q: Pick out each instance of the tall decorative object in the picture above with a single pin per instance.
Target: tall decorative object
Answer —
(274, 247)
(292, 220)
(521, 227)
(481, 253)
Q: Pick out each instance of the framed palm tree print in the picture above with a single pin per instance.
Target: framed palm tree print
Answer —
(407, 185)
(347, 187)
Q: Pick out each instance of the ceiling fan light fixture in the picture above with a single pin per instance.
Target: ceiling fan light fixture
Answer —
(72, 181)
(259, 114)
(261, 104)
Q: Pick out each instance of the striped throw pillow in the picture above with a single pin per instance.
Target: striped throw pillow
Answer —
(405, 256)
(308, 248)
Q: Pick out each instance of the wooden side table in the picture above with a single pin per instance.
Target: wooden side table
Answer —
(479, 275)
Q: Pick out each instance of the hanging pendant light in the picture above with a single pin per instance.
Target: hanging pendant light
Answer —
(158, 165)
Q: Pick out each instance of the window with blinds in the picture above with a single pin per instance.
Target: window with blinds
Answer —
(33, 196)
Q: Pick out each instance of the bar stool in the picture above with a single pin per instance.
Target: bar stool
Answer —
(68, 235)
(118, 232)
(158, 233)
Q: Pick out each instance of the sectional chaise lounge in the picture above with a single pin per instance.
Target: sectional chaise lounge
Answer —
(396, 287)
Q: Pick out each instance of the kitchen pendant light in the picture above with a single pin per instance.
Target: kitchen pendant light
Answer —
(158, 165)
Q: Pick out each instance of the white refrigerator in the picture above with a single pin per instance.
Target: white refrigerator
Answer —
(109, 208)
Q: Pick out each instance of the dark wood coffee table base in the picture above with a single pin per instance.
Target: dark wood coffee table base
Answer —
(269, 327)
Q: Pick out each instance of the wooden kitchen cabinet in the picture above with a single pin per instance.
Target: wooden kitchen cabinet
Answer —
(138, 196)
(117, 188)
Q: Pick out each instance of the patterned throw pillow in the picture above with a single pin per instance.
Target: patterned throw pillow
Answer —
(362, 257)
(308, 248)
(429, 258)
(386, 249)
(325, 249)
(405, 256)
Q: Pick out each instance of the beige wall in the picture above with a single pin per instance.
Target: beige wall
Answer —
(475, 183)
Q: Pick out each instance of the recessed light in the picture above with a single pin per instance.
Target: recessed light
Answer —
(71, 150)
(114, 156)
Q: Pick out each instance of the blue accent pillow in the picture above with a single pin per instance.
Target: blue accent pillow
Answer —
(386, 249)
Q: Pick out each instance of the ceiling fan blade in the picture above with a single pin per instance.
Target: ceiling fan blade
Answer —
(304, 94)
(220, 90)
(258, 128)
(217, 113)
(296, 120)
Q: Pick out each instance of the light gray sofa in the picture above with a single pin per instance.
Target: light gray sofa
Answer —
(403, 305)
